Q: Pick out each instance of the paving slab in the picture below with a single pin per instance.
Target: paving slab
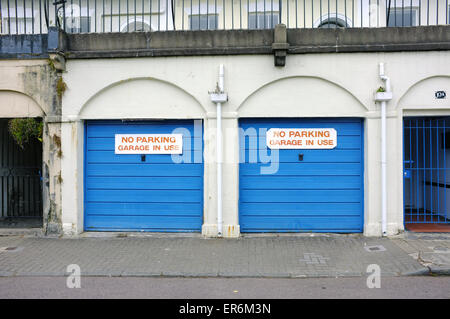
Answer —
(194, 256)
(430, 250)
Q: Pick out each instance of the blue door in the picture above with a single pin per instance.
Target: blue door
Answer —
(426, 153)
(134, 192)
(301, 190)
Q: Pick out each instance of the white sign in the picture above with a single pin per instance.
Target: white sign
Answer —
(299, 138)
(149, 144)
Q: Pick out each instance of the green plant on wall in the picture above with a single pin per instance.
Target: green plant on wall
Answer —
(61, 87)
(24, 129)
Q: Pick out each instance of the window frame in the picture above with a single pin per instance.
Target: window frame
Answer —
(127, 27)
(197, 18)
(80, 29)
(415, 13)
(22, 23)
(333, 17)
(270, 16)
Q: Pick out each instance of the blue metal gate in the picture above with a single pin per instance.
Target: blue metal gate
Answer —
(318, 190)
(426, 183)
(142, 192)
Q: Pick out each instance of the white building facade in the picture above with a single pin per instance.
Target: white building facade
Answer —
(313, 86)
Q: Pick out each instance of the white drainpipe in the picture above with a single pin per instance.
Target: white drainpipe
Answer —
(383, 97)
(219, 97)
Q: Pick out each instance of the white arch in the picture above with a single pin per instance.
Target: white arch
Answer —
(18, 104)
(301, 96)
(421, 93)
(142, 97)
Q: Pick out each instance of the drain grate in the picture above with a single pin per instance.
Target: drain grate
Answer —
(374, 248)
(314, 259)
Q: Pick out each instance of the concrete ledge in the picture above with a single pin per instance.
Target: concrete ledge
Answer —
(440, 270)
(421, 272)
(223, 42)
(233, 42)
(22, 232)
(170, 43)
(369, 39)
(94, 234)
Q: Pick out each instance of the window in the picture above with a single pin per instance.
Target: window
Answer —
(263, 20)
(333, 23)
(447, 18)
(203, 21)
(402, 17)
(17, 25)
(136, 26)
(333, 20)
(77, 24)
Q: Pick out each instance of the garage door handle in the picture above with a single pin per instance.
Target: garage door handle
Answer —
(300, 157)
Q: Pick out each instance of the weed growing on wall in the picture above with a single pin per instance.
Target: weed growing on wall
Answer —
(61, 87)
(24, 129)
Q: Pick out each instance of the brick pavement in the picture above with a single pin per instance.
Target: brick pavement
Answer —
(431, 250)
(165, 255)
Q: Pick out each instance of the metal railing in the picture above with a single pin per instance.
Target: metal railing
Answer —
(20, 182)
(98, 16)
(426, 145)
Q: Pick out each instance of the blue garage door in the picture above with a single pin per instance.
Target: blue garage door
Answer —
(318, 190)
(132, 192)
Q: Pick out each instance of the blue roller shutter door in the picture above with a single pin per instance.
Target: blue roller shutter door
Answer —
(323, 192)
(132, 193)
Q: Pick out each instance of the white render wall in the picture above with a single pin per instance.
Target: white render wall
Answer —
(311, 85)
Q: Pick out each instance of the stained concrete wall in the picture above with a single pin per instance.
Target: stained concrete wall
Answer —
(28, 88)
(311, 85)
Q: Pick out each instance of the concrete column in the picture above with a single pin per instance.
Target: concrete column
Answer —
(51, 177)
(231, 226)
(372, 167)
(230, 178)
(394, 174)
(209, 227)
(72, 176)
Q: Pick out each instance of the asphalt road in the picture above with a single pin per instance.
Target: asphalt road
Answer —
(204, 288)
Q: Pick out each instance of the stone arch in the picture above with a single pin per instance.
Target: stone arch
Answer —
(135, 98)
(17, 104)
(421, 93)
(301, 96)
